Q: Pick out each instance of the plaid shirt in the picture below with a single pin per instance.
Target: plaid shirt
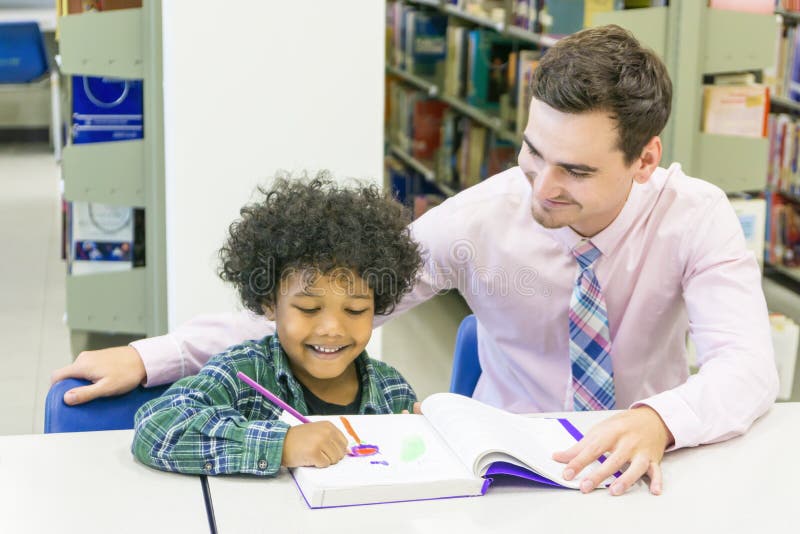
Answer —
(214, 423)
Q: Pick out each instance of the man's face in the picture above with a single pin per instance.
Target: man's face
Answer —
(578, 175)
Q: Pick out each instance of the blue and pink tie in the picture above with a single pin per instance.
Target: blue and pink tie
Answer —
(589, 340)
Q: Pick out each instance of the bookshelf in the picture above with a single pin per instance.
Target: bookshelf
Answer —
(125, 44)
(791, 272)
(784, 103)
(693, 40)
(788, 15)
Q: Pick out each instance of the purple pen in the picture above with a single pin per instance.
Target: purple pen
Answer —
(271, 396)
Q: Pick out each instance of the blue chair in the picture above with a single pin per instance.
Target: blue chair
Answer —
(25, 66)
(107, 413)
(466, 366)
(23, 58)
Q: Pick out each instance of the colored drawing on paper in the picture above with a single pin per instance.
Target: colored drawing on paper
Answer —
(379, 462)
(361, 448)
(413, 448)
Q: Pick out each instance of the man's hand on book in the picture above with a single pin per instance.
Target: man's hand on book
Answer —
(637, 437)
(318, 444)
(113, 371)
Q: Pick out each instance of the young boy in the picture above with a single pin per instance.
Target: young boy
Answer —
(320, 260)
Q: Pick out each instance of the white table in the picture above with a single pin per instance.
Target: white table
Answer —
(90, 483)
(743, 485)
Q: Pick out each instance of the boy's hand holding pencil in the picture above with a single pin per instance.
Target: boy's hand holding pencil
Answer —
(318, 444)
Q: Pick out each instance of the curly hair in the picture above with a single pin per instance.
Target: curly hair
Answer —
(317, 226)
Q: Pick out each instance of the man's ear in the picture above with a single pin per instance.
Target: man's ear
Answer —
(645, 166)
(269, 312)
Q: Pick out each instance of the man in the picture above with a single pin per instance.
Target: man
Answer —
(586, 266)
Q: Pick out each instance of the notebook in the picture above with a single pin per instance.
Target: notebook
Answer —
(456, 449)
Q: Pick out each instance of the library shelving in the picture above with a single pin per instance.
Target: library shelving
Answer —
(693, 40)
(124, 44)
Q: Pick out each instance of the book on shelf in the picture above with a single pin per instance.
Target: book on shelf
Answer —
(784, 77)
(782, 231)
(458, 448)
(426, 128)
(101, 238)
(785, 337)
(426, 44)
(487, 78)
(401, 114)
(526, 64)
(752, 214)
(500, 155)
(411, 189)
(471, 154)
(455, 75)
(736, 110)
(450, 140)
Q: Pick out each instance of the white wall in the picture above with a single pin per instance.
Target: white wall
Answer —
(251, 87)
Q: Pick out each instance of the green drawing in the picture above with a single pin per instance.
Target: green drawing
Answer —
(413, 448)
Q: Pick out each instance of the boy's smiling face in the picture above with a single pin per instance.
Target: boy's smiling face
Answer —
(323, 324)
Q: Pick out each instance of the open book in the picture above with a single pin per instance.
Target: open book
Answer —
(454, 450)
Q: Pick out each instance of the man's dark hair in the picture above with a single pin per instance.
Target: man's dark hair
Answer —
(316, 227)
(606, 69)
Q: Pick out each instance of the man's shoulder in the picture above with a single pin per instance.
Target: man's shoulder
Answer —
(676, 195)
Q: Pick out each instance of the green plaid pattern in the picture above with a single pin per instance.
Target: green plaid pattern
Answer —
(213, 423)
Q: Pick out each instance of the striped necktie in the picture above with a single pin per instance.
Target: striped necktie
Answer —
(589, 340)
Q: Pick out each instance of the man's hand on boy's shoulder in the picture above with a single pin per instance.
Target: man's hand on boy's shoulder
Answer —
(112, 371)
(637, 437)
(317, 444)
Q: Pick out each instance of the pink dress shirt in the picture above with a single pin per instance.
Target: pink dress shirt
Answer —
(673, 261)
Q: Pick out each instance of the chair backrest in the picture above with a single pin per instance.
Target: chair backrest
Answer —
(107, 413)
(466, 366)
(23, 58)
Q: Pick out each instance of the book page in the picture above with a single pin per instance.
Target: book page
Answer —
(412, 455)
(481, 434)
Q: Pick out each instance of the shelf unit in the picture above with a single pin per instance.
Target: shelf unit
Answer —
(421, 168)
(124, 44)
(791, 272)
(785, 104)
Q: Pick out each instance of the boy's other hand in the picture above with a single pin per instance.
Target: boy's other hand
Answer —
(417, 408)
(318, 444)
(113, 371)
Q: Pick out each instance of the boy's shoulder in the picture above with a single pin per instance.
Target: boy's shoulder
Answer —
(382, 370)
(389, 383)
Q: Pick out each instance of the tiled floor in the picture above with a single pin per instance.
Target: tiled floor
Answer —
(34, 339)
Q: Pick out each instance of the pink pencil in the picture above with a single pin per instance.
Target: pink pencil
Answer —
(271, 396)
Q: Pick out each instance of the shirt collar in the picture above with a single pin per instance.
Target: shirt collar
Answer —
(372, 401)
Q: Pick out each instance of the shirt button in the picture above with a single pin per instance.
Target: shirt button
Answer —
(262, 464)
(208, 466)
